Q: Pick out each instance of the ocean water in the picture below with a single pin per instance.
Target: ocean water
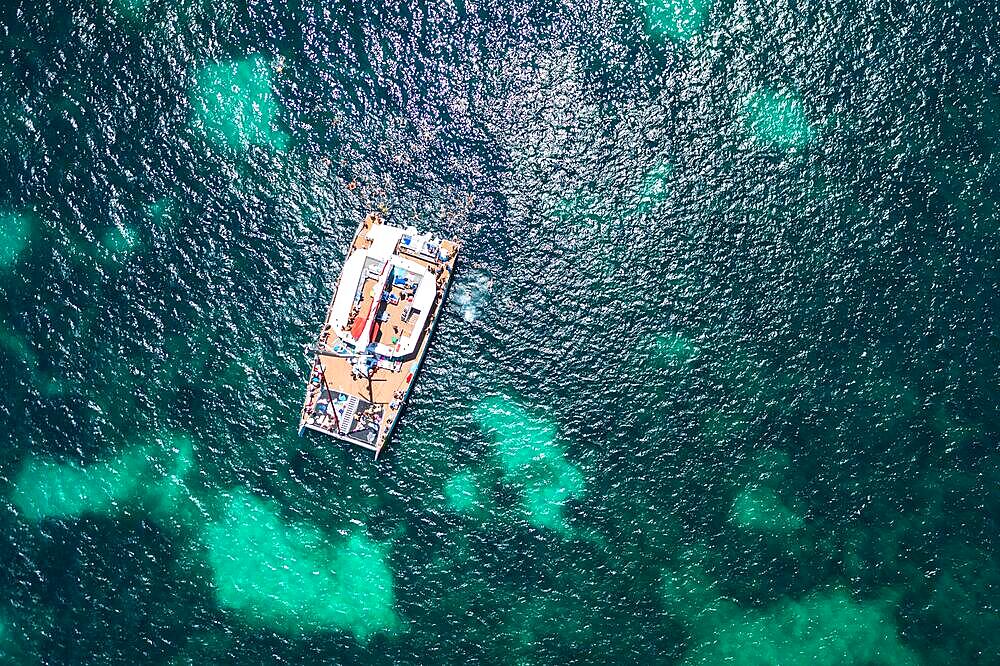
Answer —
(717, 381)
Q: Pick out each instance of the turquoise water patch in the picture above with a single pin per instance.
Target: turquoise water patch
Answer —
(778, 118)
(532, 459)
(49, 386)
(171, 464)
(16, 347)
(120, 241)
(234, 105)
(290, 577)
(461, 493)
(581, 210)
(825, 629)
(678, 20)
(8, 647)
(161, 210)
(15, 230)
(151, 476)
(761, 510)
(130, 8)
(654, 187)
(673, 349)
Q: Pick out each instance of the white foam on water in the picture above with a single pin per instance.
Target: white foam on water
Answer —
(473, 294)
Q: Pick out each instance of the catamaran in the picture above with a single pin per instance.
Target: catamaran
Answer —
(377, 329)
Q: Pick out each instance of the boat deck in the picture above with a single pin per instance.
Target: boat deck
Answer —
(364, 410)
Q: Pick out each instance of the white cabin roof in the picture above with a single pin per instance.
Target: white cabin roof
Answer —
(384, 240)
(422, 302)
(347, 288)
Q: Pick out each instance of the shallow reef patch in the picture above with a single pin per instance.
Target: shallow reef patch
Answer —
(120, 241)
(778, 118)
(291, 577)
(132, 9)
(826, 628)
(531, 458)
(234, 106)
(759, 509)
(461, 493)
(15, 230)
(653, 188)
(678, 20)
(673, 349)
(148, 475)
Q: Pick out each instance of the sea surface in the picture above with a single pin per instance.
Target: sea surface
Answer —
(717, 382)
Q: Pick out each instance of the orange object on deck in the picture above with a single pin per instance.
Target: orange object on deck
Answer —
(360, 322)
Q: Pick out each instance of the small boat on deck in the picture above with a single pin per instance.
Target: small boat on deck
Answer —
(376, 333)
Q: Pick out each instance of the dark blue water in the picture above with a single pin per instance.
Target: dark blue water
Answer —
(717, 381)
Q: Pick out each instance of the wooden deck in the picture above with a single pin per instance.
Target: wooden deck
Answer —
(331, 380)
